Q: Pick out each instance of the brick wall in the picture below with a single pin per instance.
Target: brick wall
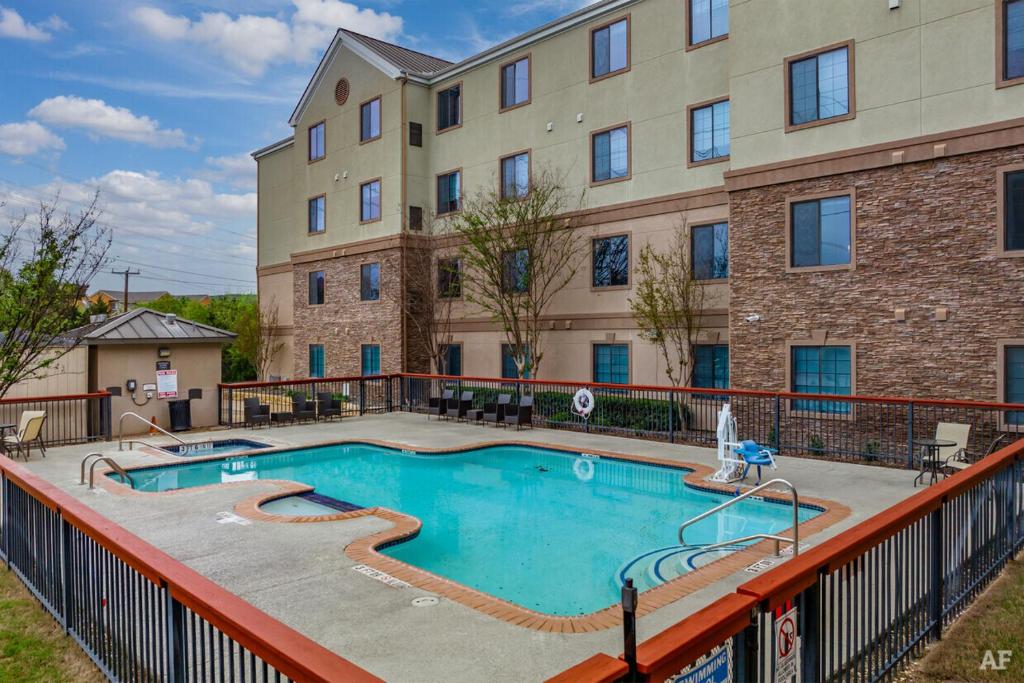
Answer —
(344, 323)
(926, 238)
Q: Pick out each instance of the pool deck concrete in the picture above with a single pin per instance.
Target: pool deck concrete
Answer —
(300, 574)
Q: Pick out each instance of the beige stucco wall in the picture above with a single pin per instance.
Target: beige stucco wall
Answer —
(198, 366)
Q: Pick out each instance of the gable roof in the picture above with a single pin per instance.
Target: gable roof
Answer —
(144, 325)
(402, 57)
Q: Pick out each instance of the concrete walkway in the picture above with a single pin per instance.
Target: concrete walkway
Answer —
(300, 574)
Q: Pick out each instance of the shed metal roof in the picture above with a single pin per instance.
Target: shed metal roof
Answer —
(145, 325)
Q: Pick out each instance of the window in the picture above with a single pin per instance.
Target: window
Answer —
(707, 19)
(370, 356)
(516, 271)
(316, 360)
(1012, 53)
(317, 142)
(711, 366)
(317, 214)
(415, 217)
(415, 134)
(449, 278)
(508, 363)
(515, 176)
(819, 87)
(515, 83)
(709, 132)
(611, 261)
(1013, 372)
(821, 370)
(709, 251)
(369, 120)
(369, 282)
(316, 288)
(610, 155)
(609, 49)
(449, 108)
(453, 359)
(449, 196)
(820, 233)
(611, 363)
(369, 202)
(1013, 211)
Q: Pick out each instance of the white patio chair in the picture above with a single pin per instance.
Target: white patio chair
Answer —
(30, 429)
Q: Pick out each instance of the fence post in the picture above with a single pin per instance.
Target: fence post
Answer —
(176, 654)
(910, 435)
(388, 402)
(5, 530)
(220, 404)
(231, 407)
(65, 560)
(810, 632)
(936, 568)
(777, 424)
(629, 597)
(105, 417)
(671, 417)
(362, 396)
(402, 379)
(745, 651)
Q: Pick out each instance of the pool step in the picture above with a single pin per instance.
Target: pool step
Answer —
(664, 564)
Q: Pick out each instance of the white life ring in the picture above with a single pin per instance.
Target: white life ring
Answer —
(583, 402)
(583, 468)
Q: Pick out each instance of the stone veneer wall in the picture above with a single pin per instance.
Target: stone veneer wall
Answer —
(925, 238)
(344, 323)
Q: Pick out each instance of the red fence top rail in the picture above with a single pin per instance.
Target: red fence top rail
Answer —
(53, 399)
(285, 649)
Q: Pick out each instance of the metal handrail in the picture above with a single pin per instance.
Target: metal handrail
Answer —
(773, 537)
(81, 478)
(120, 426)
(121, 472)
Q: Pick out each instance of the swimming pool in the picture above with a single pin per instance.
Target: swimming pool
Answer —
(547, 530)
(219, 447)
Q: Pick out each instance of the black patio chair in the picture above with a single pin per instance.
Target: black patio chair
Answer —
(459, 407)
(329, 406)
(255, 413)
(522, 415)
(439, 406)
(303, 409)
(495, 412)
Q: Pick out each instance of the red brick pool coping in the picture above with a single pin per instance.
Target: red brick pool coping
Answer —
(364, 550)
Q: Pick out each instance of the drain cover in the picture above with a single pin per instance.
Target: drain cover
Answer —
(424, 602)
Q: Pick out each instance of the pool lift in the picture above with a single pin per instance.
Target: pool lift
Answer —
(735, 456)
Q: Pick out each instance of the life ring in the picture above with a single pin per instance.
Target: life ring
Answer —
(583, 468)
(583, 402)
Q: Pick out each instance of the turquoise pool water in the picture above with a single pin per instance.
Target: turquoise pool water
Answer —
(544, 529)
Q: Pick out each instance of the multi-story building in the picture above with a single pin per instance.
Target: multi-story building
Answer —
(850, 175)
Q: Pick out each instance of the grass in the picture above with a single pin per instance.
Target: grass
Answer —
(33, 646)
(995, 622)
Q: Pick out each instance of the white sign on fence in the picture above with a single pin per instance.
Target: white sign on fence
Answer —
(787, 648)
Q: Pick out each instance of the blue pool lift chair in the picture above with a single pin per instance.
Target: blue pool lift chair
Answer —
(755, 455)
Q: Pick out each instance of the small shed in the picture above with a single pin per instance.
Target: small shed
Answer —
(155, 358)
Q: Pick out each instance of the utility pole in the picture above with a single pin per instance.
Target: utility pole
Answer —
(127, 272)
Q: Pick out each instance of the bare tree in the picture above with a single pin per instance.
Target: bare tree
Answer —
(517, 255)
(42, 285)
(433, 283)
(668, 305)
(256, 337)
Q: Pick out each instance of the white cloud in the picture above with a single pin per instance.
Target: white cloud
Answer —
(13, 26)
(561, 6)
(27, 139)
(251, 43)
(239, 171)
(103, 120)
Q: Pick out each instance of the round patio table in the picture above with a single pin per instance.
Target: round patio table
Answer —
(931, 464)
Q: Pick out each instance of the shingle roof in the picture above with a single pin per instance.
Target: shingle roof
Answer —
(402, 57)
(143, 324)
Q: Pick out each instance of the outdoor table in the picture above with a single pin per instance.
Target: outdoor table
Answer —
(3, 430)
(281, 418)
(931, 464)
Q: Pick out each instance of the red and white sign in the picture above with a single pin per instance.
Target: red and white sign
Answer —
(787, 648)
(167, 384)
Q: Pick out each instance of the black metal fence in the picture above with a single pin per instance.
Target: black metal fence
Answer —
(137, 613)
(354, 396)
(78, 418)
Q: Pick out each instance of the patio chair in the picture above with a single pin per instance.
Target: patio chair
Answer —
(439, 406)
(329, 406)
(755, 455)
(459, 407)
(30, 430)
(523, 415)
(303, 409)
(495, 412)
(961, 461)
(255, 413)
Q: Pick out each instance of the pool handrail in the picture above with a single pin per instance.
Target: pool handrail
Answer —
(771, 537)
(152, 425)
(121, 472)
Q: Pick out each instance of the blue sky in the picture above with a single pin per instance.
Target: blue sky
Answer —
(158, 104)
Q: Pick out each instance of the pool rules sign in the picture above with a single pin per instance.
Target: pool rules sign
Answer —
(787, 648)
